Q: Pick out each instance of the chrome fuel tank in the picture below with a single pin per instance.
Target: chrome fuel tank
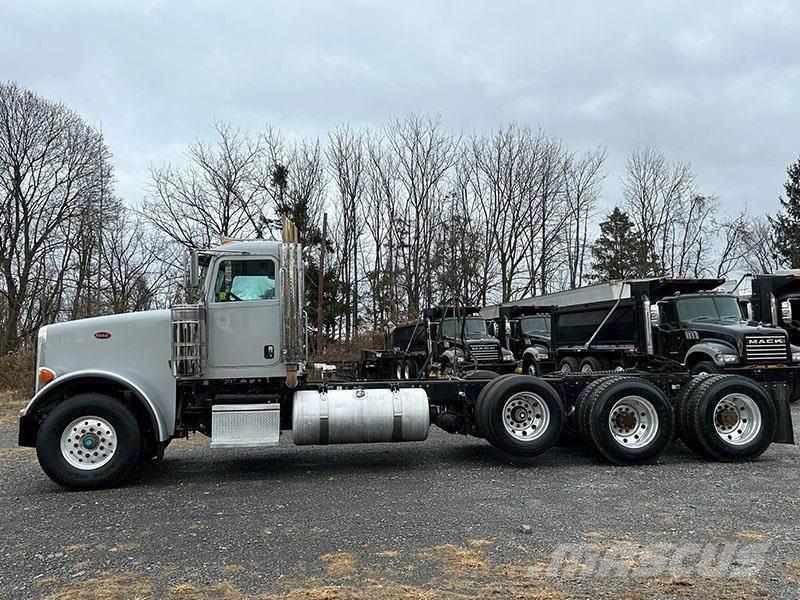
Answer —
(360, 415)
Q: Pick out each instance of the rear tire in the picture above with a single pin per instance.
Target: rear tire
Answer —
(679, 407)
(89, 441)
(729, 419)
(520, 415)
(628, 420)
(409, 369)
(591, 364)
(568, 364)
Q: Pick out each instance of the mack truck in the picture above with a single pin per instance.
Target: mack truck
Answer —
(113, 391)
(442, 341)
(775, 299)
(525, 332)
(690, 322)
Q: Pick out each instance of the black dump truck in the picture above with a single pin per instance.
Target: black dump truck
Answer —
(682, 320)
(776, 299)
(444, 341)
(525, 331)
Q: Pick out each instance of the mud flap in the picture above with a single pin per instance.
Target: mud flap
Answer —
(780, 392)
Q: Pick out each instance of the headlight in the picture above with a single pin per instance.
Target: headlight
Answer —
(795, 356)
(508, 355)
(726, 359)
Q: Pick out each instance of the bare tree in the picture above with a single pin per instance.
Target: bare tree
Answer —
(424, 154)
(583, 178)
(346, 161)
(217, 194)
(50, 165)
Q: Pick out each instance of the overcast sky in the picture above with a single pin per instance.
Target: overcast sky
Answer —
(713, 83)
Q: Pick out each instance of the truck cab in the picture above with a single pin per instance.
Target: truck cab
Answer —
(462, 341)
(776, 300)
(708, 332)
(686, 321)
(525, 331)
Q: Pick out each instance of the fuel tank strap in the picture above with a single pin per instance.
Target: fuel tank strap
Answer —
(397, 425)
(324, 429)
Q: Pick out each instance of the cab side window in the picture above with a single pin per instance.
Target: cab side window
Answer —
(245, 281)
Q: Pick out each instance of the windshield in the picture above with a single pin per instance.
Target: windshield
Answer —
(474, 327)
(709, 308)
(535, 325)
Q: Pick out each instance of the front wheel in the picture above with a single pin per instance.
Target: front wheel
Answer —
(705, 367)
(89, 441)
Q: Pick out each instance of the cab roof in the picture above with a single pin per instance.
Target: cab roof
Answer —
(271, 247)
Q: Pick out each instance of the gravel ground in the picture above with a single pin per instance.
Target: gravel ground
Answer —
(447, 517)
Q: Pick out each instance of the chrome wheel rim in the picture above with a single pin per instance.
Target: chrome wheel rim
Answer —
(526, 416)
(531, 369)
(633, 422)
(88, 443)
(565, 368)
(737, 419)
(398, 372)
(587, 369)
(407, 371)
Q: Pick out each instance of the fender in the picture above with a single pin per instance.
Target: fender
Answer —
(529, 351)
(710, 348)
(450, 353)
(64, 382)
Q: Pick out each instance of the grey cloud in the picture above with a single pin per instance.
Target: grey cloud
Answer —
(713, 83)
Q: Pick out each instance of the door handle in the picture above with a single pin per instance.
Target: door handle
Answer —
(269, 352)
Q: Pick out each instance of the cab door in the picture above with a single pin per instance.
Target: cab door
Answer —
(670, 336)
(244, 313)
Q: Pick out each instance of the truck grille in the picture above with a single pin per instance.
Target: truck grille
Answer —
(485, 353)
(765, 349)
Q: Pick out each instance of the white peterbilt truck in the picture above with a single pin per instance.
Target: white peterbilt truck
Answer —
(113, 391)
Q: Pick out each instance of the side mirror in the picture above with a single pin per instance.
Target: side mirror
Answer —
(786, 311)
(655, 315)
(193, 279)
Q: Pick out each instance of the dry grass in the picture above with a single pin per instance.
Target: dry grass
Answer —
(106, 586)
(16, 384)
(458, 559)
(16, 372)
(340, 564)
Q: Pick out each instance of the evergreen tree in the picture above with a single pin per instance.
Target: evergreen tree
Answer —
(620, 252)
(786, 224)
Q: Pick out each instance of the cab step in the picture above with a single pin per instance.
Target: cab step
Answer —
(245, 425)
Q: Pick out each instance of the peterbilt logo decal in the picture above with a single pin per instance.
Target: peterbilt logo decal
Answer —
(102, 335)
(764, 340)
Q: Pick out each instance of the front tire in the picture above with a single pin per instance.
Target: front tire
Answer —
(89, 441)
(705, 367)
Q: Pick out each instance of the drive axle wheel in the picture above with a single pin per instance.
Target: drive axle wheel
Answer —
(520, 415)
(626, 419)
(89, 441)
(729, 418)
